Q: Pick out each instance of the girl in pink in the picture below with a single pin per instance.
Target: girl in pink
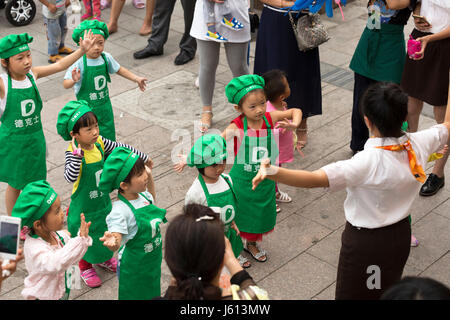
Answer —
(277, 91)
(93, 10)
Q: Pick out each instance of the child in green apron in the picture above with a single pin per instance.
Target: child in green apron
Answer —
(214, 189)
(133, 225)
(84, 163)
(90, 76)
(39, 207)
(22, 141)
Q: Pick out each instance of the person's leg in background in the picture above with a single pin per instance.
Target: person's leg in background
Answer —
(146, 28)
(63, 26)
(160, 30)
(188, 45)
(116, 9)
(53, 37)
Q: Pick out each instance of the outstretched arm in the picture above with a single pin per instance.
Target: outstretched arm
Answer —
(141, 81)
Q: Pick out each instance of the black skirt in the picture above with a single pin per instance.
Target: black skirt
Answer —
(427, 79)
(372, 260)
(276, 48)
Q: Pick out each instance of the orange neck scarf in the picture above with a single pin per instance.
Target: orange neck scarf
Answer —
(416, 168)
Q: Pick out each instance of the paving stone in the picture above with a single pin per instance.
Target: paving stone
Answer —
(439, 270)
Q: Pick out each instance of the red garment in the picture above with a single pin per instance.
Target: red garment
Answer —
(240, 124)
(254, 237)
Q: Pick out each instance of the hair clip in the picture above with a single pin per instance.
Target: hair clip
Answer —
(205, 217)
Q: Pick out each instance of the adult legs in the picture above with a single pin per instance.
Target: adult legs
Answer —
(146, 28)
(11, 195)
(188, 45)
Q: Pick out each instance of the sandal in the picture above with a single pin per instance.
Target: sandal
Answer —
(139, 4)
(243, 261)
(258, 255)
(54, 58)
(203, 124)
(282, 197)
(414, 241)
(278, 208)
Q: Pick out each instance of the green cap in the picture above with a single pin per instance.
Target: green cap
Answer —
(68, 117)
(237, 88)
(116, 168)
(14, 44)
(97, 27)
(33, 202)
(207, 150)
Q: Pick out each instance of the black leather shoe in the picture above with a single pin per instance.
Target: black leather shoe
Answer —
(147, 52)
(182, 58)
(432, 185)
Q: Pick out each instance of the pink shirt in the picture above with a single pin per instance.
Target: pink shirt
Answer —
(46, 264)
(285, 140)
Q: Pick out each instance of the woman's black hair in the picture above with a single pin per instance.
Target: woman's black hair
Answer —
(86, 120)
(386, 106)
(417, 288)
(241, 102)
(274, 85)
(137, 170)
(194, 253)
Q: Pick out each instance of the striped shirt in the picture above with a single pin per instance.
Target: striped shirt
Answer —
(72, 167)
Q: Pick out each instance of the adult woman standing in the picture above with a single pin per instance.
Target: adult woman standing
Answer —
(236, 47)
(425, 78)
(379, 56)
(276, 48)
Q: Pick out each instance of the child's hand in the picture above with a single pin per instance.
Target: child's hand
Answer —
(285, 124)
(84, 226)
(180, 165)
(142, 83)
(76, 74)
(110, 241)
(52, 8)
(87, 41)
(149, 163)
(234, 226)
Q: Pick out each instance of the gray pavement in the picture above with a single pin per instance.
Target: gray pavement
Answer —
(303, 250)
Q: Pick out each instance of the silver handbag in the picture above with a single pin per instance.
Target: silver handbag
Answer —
(309, 31)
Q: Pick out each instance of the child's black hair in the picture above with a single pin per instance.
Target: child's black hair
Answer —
(274, 85)
(7, 65)
(86, 120)
(201, 171)
(240, 104)
(417, 288)
(137, 170)
(386, 106)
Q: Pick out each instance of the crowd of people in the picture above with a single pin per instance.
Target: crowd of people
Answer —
(224, 214)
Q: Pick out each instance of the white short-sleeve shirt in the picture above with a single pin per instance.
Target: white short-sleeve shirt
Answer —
(23, 84)
(196, 194)
(437, 13)
(380, 185)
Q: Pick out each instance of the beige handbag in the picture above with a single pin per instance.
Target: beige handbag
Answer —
(309, 31)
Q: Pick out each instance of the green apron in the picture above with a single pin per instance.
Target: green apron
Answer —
(226, 204)
(141, 257)
(381, 53)
(95, 205)
(256, 208)
(94, 89)
(22, 140)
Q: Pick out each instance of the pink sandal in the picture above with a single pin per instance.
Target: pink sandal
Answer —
(104, 4)
(139, 4)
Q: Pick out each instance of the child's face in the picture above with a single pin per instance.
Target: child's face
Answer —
(87, 135)
(254, 105)
(19, 64)
(54, 217)
(138, 183)
(213, 172)
(97, 48)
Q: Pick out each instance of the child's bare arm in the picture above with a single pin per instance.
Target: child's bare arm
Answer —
(85, 44)
(2, 90)
(293, 114)
(150, 183)
(127, 74)
(51, 7)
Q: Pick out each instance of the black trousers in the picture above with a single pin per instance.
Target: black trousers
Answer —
(161, 24)
(360, 133)
(371, 260)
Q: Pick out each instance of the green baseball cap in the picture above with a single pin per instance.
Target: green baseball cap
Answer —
(207, 150)
(14, 44)
(33, 202)
(237, 88)
(68, 117)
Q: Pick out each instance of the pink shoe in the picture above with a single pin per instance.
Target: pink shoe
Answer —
(91, 278)
(414, 241)
(23, 233)
(110, 265)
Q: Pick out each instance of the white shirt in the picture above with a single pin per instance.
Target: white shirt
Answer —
(437, 12)
(121, 218)
(23, 84)
(379, 183)
(46, 264)
(239, 9)
(196, 194)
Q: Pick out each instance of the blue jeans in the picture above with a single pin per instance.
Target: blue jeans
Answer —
(56, 33)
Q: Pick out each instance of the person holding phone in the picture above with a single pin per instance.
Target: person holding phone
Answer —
(10, 266)
(426, 76)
